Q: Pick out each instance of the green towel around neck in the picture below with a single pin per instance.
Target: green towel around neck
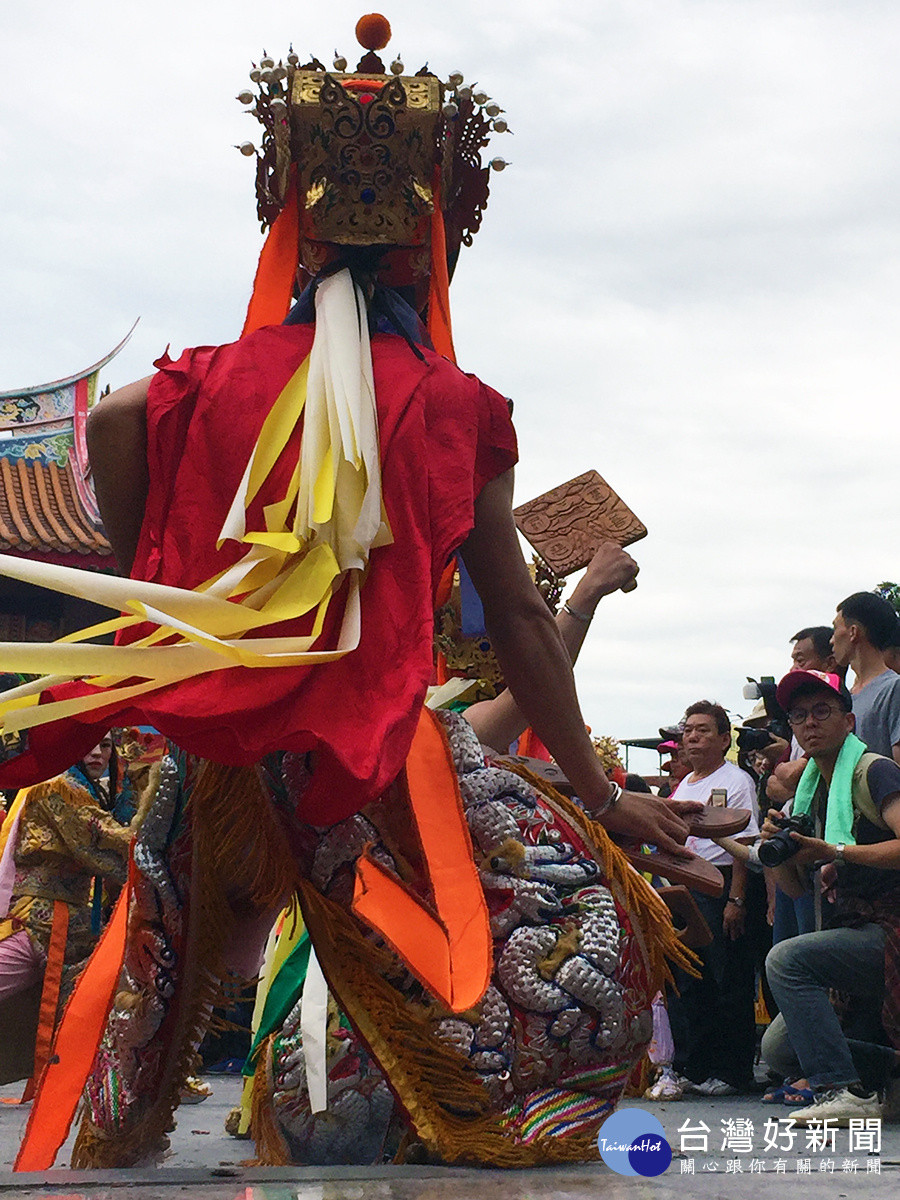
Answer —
(839, 812)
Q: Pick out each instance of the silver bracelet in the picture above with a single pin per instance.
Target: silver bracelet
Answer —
(612, 799)
(584, 618)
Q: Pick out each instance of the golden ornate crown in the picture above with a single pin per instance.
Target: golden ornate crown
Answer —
(369, 148)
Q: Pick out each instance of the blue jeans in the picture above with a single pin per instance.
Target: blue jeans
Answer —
(792, 917)
(806, 1037)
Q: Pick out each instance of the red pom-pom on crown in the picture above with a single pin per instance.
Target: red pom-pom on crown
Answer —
(373, 31)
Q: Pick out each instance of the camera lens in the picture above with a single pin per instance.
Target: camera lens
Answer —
(777, 849)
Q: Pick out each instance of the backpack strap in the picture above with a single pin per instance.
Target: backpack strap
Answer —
(862, 797)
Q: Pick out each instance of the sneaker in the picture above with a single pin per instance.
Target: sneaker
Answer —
(667, 1087)
(715, 1087)
(838, 1105)
(228, 1066)
(194, 1091)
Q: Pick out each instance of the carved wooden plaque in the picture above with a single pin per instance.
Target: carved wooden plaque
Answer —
(567, 524)
(549, 772)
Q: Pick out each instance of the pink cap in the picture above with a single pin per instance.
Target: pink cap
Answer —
(794, 680)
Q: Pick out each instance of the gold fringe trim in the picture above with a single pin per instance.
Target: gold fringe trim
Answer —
(244, 852)
(241, 866)
(271, 1147)
(512, 852)
(91, 1149)
(648, 911)
(639, 1079)
(58, 786)
(146, 795)
(444, 1098)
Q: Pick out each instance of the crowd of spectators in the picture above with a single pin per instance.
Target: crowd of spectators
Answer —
(805, 938)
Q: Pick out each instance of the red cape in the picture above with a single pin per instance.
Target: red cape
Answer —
(443, 436)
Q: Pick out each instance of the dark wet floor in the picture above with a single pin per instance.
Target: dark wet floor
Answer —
(206, 1164)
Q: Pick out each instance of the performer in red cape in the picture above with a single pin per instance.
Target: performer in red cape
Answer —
(287, 505)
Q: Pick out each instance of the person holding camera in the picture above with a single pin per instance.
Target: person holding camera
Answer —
(846, 820)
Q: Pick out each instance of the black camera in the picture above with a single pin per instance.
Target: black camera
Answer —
(781, 846)
(764, 689)
(749, 739)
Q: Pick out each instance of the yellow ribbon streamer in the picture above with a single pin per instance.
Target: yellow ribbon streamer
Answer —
(320, 532)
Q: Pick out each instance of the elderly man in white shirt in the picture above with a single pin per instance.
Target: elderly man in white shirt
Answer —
(713, 1019)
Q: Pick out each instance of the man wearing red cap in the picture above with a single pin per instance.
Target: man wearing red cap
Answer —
(852, 798)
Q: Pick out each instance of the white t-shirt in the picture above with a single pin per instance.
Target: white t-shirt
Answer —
(741, 794)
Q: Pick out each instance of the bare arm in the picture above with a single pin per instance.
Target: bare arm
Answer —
(500, 721)
(739, 850)
(537, 668)
(117, 448)
(784, 779)
(884, 856)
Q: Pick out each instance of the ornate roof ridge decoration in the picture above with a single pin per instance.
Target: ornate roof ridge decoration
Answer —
(47, 505)
(57, 384)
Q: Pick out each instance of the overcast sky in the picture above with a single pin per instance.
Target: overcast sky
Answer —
(688, 278)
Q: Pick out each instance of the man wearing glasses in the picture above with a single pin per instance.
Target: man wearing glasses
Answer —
(853, 799)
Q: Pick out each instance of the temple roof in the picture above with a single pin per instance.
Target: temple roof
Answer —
(47, 505)
(40, 511)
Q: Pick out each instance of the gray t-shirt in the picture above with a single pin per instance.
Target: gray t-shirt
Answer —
(877, 712)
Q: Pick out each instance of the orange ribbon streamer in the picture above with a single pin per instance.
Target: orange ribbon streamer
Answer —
(56, 955)
(77, 1038)
(273, 286)
(450, 950)
(440, 329)
(531, 746)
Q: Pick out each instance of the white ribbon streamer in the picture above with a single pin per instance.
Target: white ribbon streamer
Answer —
(314, 1028)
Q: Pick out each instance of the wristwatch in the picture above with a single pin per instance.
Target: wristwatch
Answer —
(839, 853)
(738, 900)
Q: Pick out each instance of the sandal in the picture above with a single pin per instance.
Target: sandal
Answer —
(693, 872)
(712, 822)
(688, 921)
(776, 1095)
(798, 1097)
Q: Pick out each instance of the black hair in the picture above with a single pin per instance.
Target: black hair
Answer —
(874, 614)
(113, 776)
(819, 635)
(636, 783)
(706, 708)
(391, 308)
